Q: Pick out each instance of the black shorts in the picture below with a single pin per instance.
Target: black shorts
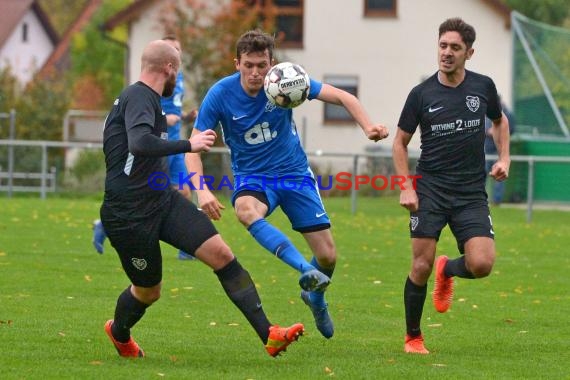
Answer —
(467, 214)
(136, 235)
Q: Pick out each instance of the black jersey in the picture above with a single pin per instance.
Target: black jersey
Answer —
(135, 142)
(452, 125)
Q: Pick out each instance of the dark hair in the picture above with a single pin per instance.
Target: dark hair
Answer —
(170, 37)
(466, 31)
(255, 41)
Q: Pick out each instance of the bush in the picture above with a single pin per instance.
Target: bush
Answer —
(87, 173)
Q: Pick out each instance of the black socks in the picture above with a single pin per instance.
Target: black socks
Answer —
(456, 267)
(414, 299)
(128, 312)
(240, 288)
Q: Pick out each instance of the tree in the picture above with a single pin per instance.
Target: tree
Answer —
(9, 90)
(97, 62)
(208, 51)
(62, 12)
(41, 107)
(554, 12)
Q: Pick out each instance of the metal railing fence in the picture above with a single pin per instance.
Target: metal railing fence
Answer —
(46, 175)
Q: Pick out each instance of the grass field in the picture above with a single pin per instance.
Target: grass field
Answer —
(56, 293)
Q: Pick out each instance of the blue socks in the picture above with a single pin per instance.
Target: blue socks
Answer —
(277, 243)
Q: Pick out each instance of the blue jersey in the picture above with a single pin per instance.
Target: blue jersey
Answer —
(172, 105)
(262, 137)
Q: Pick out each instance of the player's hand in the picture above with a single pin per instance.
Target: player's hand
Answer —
(500, 170)
(409, 200)
(377, 133)
(210, 205)
(190, 116)
(203, 141)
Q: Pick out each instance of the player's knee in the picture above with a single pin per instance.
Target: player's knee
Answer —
(422, 268)
(327, 257)
(480, 265)
(482, 268)
(247, 215)
(148, 295)
(249, 212)
(215, 252)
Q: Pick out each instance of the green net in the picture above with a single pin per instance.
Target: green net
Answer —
(541, 78)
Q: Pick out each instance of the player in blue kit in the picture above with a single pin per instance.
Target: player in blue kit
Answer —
(271, 168)
(450, 108)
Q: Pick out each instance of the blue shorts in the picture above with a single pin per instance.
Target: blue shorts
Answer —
(297, 196)
(176, 168)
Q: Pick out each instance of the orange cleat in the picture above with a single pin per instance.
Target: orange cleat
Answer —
(443, 287)
(415, 345)
(129, 349)
(281, 337)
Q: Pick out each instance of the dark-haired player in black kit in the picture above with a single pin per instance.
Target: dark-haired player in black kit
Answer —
(450, 108)
(139, 210)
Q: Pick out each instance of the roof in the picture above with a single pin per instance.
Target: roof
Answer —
(502, 9)
(127, 14)
(132, 11)
(12, 12)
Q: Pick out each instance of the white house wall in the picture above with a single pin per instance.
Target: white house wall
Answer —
(144, 29)
(26, 57)
(388, 55)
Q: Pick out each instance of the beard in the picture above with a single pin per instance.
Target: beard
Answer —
(169, 86)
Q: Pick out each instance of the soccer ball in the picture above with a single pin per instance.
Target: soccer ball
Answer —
(287, 85)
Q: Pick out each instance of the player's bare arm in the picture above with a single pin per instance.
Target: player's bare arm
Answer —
(334, 95)
(501, 137)
(206, 200)
(408, 196)
(172, 119)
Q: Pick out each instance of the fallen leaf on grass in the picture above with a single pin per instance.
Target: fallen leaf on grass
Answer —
(96, 362)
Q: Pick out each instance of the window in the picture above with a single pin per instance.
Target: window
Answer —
(380, 8)
(24, 32)
(334, 113)
(288, 19)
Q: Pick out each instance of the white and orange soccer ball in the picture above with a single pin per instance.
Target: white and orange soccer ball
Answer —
(287, 85)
